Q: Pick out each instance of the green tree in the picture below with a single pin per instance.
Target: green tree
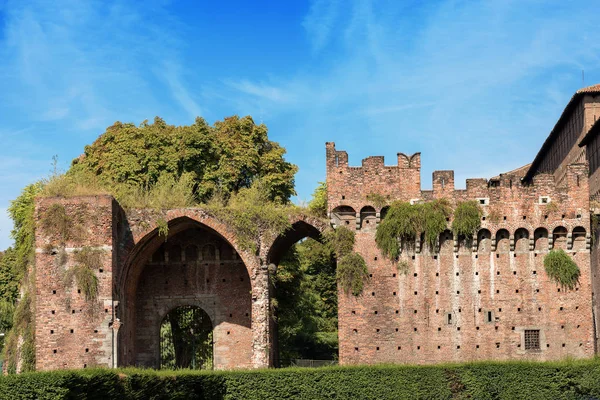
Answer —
(222, 159)
(306, 296)
(9, 284)
(318, 204)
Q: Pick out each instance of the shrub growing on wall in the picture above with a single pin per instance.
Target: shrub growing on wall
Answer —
(351, 273)
(404, 221)
(561, 268)
(467, 218)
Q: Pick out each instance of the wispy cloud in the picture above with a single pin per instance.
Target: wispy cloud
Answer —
(261, 91)
(320, 21)
(172, 75)
(476, 81)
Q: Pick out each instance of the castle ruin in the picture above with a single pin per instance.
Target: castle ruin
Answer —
(486, 298)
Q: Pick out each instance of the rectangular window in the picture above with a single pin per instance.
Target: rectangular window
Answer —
(532, 339)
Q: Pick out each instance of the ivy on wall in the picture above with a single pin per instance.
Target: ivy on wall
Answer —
(404, 221)
(467, 218)
(562, 269)
(351, 272)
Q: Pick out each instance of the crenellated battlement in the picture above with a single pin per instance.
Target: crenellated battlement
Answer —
(351, 187)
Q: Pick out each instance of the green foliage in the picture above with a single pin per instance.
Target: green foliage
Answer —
(163, 228)
(20, 260)
(9, 284)
(433, 216)
(378, 200)
(167, 192)
(399, 224)
(22, 327)
(186, 339)
(404, 221)
(251, 214)
(56, 221)
(351, 273)
(467, 218)
(7, 310)
(21, 211)
(341, 241)
(560, 267)
(86, 280)
(403, 266)
(482, 380)
(318, 203)
(87, 261)
(89, 257)
(223, 159)
(306, 303)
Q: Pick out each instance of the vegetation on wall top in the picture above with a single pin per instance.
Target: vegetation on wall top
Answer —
(467, 218)
(404, 221)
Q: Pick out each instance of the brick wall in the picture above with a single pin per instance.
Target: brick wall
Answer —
(196, 267)
(70, 331)
(143, 278)
(438, 311)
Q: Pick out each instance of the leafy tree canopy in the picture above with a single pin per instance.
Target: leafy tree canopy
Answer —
(223, 158)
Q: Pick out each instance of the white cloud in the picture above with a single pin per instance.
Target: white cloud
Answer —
(320, 21)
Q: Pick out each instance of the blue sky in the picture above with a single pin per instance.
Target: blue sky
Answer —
(475, 86)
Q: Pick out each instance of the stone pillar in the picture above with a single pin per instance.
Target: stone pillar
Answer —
(261, 319)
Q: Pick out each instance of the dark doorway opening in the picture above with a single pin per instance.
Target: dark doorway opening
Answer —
(186, 339)
(305, 306)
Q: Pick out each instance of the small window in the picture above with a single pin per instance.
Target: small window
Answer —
(449, 318)
(490, 317)
(544, 200)
(532, 339)
(483, 201)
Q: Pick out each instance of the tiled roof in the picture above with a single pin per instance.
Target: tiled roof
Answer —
(519, 172)
(590, 89)
(554, 132)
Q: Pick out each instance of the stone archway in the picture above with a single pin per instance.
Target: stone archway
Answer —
(195, 265)
(302, 227)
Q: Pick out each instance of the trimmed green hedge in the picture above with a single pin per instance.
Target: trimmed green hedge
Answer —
(511, 380)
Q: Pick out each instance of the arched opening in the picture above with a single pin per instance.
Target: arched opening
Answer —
(446, 242)
(521, 240)
(304, 293)
(343, 215)
(186, 339)
(559, 238)
(368, 218)
(579, 235)
(502, 241)
(540, 236)
(194, 267)
(484, 241)
(384, 212)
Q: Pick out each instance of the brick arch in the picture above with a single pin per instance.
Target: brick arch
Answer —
(146, 238)
(302, 226)
(146, 241)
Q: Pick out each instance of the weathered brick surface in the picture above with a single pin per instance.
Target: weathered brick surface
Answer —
(404, 318)
(196, 268)
(138, 287)
(462, 300)
(70, 332)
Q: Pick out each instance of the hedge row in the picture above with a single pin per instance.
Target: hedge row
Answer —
(564, 380)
